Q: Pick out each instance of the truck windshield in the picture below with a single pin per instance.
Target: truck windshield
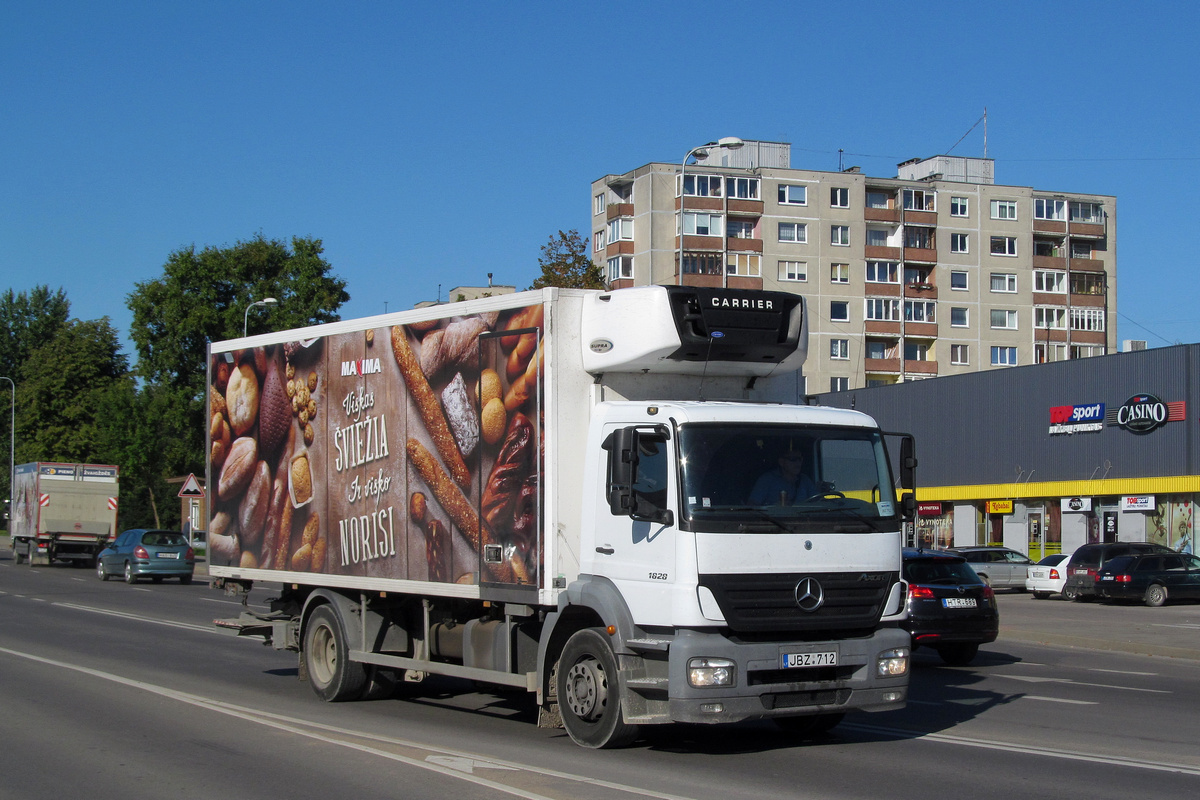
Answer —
(785, 478)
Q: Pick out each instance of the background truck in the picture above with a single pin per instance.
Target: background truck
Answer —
(555, 490)
(65, 512)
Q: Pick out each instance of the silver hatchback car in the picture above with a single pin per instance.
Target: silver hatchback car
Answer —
(998, 567)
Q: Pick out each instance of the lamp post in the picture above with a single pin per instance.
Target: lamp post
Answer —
(266, 301)
(12, 449)
(727, 143)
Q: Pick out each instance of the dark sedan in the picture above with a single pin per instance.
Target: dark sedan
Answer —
(151, 553)
(949, 608)
(1154, 578)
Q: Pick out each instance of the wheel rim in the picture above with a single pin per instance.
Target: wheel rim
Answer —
(128, 572)
(587, 690)
(100, 569)
(323, 666)
(1155, 594)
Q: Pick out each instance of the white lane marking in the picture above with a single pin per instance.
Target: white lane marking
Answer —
(294, 725)
(1166, 625)
(1069, 682)
(1058, 700)
(1038, 750)
(1123, 672)
(124, 615)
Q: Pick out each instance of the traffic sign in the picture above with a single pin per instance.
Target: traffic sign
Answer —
(191, 488)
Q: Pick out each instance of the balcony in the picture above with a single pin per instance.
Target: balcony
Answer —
(736, 244)
(920, 218)
(1087, 230)
(621, 248)
(616, 210)
(924, 291)
(752, 207)
(702, 203)
(1049, 262)
(875, 253)
(1049, 226)
(881, 214)
(912, 367)
(1087, 265)
(923, 255)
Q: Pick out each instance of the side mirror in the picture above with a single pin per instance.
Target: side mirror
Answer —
(908, 463)
(622, 447)
(908, 506)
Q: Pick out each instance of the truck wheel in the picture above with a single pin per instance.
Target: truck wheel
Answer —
(129, 576)
(589, 696)
(334, 677)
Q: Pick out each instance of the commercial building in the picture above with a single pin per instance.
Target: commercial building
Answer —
(1047, 457)
(936, 271)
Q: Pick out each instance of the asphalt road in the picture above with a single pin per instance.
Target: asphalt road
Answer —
(115, 690)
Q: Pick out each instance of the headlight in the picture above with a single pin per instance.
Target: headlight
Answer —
(711, 672)
(892, 663)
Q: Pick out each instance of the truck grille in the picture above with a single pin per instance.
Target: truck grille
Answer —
(853, 601)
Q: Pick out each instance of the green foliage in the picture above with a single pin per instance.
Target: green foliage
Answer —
(565, 263)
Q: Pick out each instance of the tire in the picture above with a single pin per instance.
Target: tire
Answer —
(589, 695)
(129, 576)
(101, 573)
(958, 655)
(1040, 595)
(1070, 593)
(333, 676)
(1156, 595)
(810, 726)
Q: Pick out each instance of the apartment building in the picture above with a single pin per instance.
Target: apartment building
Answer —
(935, 271)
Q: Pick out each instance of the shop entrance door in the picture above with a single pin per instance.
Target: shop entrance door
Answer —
(1037, 544)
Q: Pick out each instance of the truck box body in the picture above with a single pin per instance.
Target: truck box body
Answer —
(65, 511)
(457, 461)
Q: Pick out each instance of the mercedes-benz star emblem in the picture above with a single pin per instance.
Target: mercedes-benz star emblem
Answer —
(809, 594)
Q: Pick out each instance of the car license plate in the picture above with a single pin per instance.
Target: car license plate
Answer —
(958, 602)
(1106, 577)
(793, 660)
(168, 555)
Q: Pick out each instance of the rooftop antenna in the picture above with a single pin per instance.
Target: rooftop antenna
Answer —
(841, 152)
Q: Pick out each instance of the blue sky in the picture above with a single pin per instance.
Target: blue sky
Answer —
(430, 144)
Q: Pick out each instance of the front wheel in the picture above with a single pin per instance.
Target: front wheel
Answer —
(334, 677)
(1156, 595)
(589, 696)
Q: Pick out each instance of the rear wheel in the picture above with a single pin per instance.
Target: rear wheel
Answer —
(589, 697)
(129, 576)
(1156, 595)
(101, 573)
(334, 677)
(958, 655)
(1070, 593)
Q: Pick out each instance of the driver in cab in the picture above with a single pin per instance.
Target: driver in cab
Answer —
(784, 485)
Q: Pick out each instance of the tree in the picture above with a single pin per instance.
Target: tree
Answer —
(565, 263)
(28, 321)
(202, 297)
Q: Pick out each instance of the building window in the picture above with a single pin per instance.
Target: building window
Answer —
(959, 318)
(740, 229)
(1081, 249)
(839, 349)
(839, 197)
(1004, 246)
(960, 354)
(878, 200)
(1086, 350)
(1087, 319)
(743, 265)
(1004, 356)
(882, 309)
(919, 200)
(702, 263)
(598, 204)
(702, 185)
(883, 272)
(839, 311)
(959, 243)
(1004, 282)
(920, 310)
(793, 232)
(1092, 213)
(1087, 283)
(792, 195)
(839, 273)
(1048, 248)
(793, 270)
(698, 223)
(878, 348)
(1045, 208)
(917, 276)
(1045, 280)
(958, 206)
(1050, 318)
(1004, 209)
(839, 235)
(741, 188)
(958, 281)
(620, 229)
(839, 384)
(918, 238)
(916, 351)
(1004, 319)
(598, 240)
(620, 267)
(877, 237)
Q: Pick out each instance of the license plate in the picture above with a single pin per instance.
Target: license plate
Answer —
(793, 660)
(958, 602)
(1106, 577)
(168, 555)
(1081, 572)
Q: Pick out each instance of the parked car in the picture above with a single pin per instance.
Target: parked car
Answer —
(949, 608)
(998, 567)
(1086, 563)
(1047, 576)
(1153, 578)
(153, 553)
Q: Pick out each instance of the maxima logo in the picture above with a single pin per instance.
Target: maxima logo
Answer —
(364, 366)
(1143, 413)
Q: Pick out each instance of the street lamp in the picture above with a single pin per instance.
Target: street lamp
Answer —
(727, 143)
(12, 449)
(266, 301)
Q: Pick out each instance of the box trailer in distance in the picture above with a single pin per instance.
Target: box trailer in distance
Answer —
(593, 496)
(66, 512)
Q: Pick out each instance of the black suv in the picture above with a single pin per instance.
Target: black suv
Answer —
(1086, 562)
(949, 608)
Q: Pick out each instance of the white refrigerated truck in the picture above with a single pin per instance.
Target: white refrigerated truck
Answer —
(65, 512)
(616, 500)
